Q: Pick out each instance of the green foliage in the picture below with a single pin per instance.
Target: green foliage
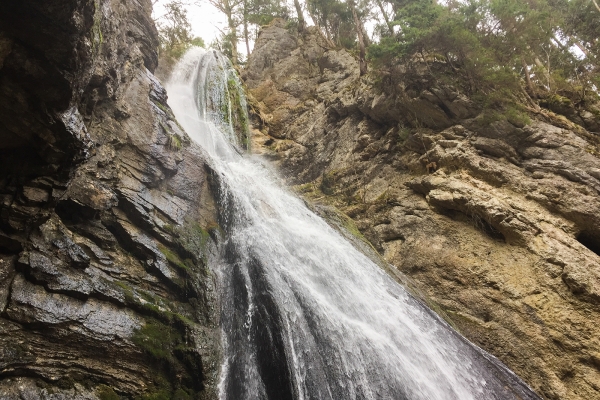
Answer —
(334, 17)
(494, 48)
(106, 393)
(198, 42)
(175, 32)
(517, 118)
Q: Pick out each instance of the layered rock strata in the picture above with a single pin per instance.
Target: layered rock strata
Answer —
(106, 212)
(497, 222)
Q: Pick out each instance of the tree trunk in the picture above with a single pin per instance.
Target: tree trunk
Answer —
(530, 88)
(301, 22)
(362, 59)
(233, 39)
(583, 49)
(328, 41)
(546, 71)
(246, 39)
(385, 17)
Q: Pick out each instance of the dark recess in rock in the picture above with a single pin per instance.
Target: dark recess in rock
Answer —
(590, 241)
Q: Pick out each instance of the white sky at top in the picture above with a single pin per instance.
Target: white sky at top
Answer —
(208, 22)
(205, 19)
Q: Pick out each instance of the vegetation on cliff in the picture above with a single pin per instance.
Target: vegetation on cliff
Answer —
(175, 33)
(510, 56)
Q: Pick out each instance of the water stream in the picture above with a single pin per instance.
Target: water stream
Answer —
(304, 314)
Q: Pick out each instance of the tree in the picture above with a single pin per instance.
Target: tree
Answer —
(232, 9)
(175, 32)
(362, 59)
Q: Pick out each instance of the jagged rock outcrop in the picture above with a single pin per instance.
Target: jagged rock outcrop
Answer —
(106, 215)
(496, 221)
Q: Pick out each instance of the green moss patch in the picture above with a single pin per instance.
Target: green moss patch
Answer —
(175, 362)
(106, 393)
(174, 259)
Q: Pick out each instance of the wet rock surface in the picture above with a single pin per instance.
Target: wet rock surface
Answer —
(104, 222)
(496, 222)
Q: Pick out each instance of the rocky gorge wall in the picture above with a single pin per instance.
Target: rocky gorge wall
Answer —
(106, 213)
(497, 222)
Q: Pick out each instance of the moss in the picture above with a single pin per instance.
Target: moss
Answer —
(558, 100)
(173, 258)
(174, 142)
(157, 339)
(106, 393)
(174, 364)
(403, 134)
(383, 198)
(181, 394)
(170, 229)
(236, 106)
(350, 227)
(328, 181)
(162, 107)
(306, 188)
(164, 127)
(127, 291)
(152, 309)
(96, 33)
(157, 394)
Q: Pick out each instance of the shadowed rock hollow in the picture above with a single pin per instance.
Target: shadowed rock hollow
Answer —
(497, 222)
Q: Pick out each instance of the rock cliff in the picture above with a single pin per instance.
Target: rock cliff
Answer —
(496, 220)
(106, 215)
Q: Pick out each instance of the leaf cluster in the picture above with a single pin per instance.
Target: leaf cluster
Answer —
(500, 47)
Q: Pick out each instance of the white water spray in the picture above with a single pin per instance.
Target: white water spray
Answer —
(305, 315)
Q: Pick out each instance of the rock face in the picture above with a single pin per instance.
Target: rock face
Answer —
(496, 222)
(106, 212)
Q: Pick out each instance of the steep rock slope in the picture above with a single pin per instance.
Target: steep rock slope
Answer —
(106, 212)
(496, 221)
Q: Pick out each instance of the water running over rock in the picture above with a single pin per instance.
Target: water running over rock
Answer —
(304, 314)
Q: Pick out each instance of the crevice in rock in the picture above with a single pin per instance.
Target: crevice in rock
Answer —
(71, 211)
(8, 295)
(476, 221)
(23, 372)
(590, 241)
(9, 244)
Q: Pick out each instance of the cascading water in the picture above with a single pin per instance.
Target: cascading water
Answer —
(304, 314)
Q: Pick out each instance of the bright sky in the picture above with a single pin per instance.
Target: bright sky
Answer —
(205, 19)
(208, 22)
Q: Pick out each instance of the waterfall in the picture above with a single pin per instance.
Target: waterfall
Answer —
(304, 314)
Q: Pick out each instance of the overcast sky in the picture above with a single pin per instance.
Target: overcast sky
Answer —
(205, 19)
